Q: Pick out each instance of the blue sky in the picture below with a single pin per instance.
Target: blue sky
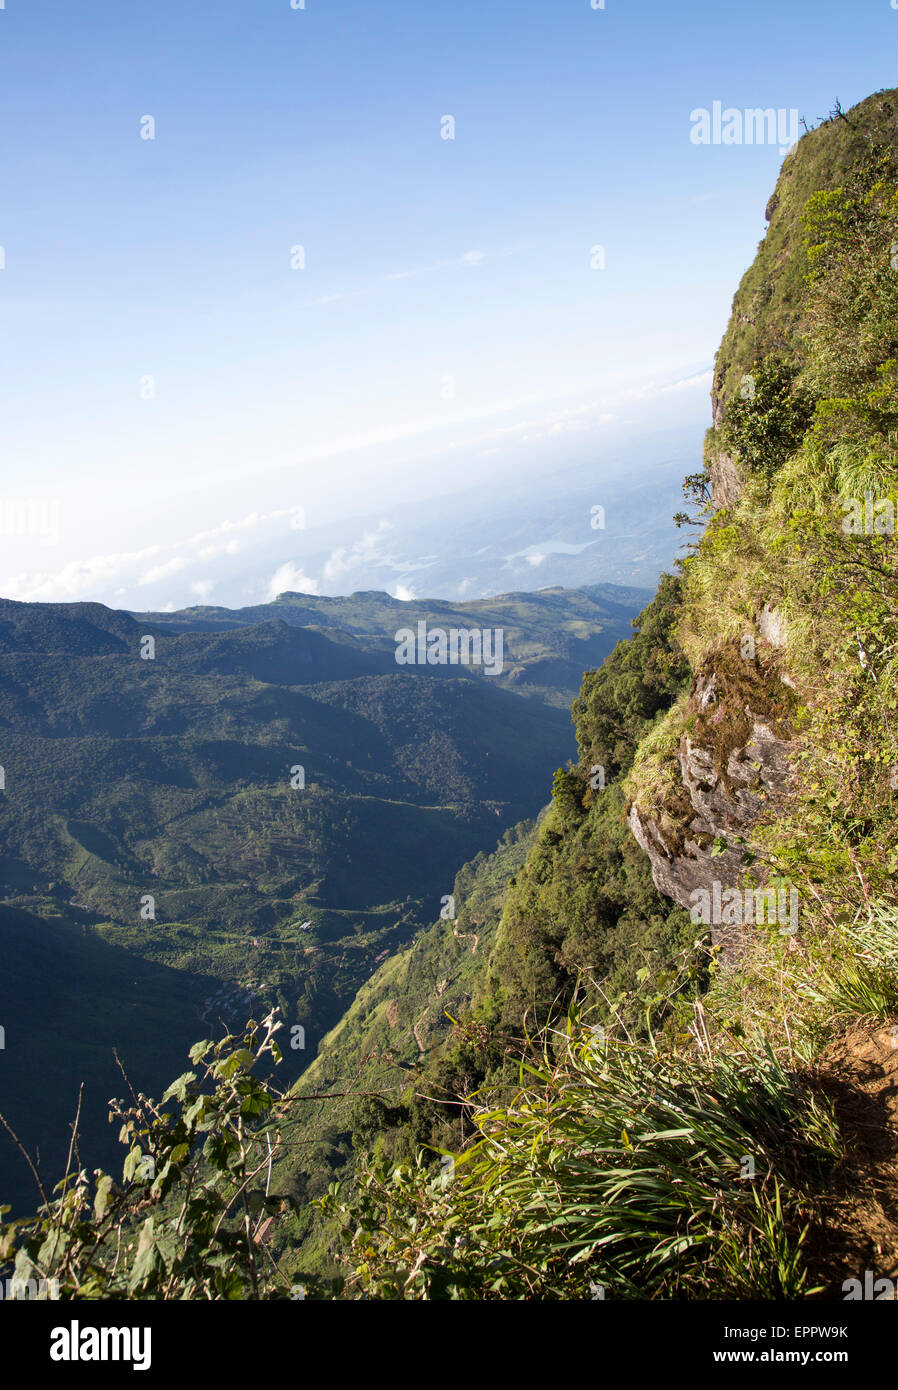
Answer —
(447, 298)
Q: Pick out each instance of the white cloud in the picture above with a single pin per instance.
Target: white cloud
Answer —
(289, 578)
(403, 593)
(74, 580)
(665, 388)
(689, 383)
(209, 552)
(295, 515)
(172, 566)
(202, 588)
(350, 557)
(81, 579)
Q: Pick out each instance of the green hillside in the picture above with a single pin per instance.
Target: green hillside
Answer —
(387, 1061)
(709, 1112)
(550, 637)
(258, 814)
(653, 1054)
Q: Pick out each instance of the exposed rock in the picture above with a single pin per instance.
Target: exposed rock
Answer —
(729, 783)
(772, 626)
(717, 400)
(678, 873)
(726, 484)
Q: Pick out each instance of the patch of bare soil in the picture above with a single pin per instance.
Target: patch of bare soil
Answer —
(856, 1225)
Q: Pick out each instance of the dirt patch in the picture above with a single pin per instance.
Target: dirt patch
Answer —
(467, 936)
(856, 1221)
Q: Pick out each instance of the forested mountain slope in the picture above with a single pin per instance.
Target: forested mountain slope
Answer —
(550, 636)
(202, 822)
(712, 1122)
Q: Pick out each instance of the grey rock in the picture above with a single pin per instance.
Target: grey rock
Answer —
(726, 483)
(711, 846)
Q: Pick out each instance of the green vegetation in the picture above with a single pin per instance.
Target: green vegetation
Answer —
(584, 904)
(185, 1218)
(567, 1088)
(631, 1168)
(582, 1176)
(393, 1070)
(173, 778)
(549, 637)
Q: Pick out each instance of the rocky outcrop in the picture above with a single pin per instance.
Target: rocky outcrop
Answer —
(725, 482)
(724, 479)
(733, 764)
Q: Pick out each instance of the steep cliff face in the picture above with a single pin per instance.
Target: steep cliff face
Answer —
(781, 609)
(769, 305)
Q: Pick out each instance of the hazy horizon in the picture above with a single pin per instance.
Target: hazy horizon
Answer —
(271, 274)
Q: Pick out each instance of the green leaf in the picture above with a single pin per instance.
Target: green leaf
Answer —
(178, 1089)
(103, 1196)
(144, 1266)
(132, 1163)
